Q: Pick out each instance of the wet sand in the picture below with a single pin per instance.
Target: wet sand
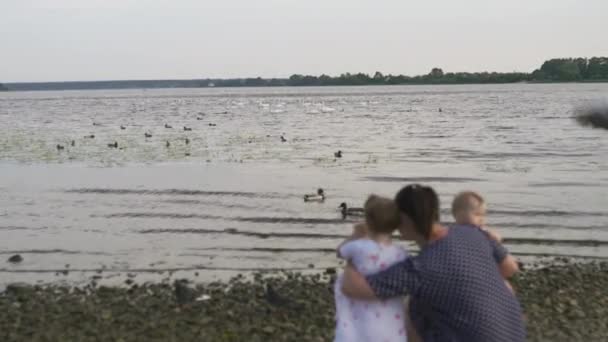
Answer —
(562, 301)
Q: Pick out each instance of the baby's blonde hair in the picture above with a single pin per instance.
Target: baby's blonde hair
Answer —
(466, 201)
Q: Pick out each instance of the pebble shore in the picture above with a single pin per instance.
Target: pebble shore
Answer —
(562, 302)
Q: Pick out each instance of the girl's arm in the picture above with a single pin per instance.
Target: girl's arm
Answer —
(359, 231)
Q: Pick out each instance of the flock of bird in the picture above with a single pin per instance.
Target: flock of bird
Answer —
(114, 144)
(122, 127)
(345, 210)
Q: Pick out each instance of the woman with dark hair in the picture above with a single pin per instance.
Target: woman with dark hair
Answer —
(455, 283)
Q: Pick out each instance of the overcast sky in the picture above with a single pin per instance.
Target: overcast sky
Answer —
(60, 40)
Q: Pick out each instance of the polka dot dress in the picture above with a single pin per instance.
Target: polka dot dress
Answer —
(457, 292)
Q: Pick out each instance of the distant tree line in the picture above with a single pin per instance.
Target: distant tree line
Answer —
(2, 87)
(573, 69)
(555, 70)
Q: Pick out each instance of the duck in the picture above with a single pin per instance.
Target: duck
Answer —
(187, 128)
(60, 147)
(113, 145)
(73, 143)
(199, 118)
(91, 136)
(148, 135)
(338, 154)
(440, 110)
(318, 197)
(187, 141)
(168, 126)
(122, 127)
(167, 144)
(283, 139)
(346, 211)
(212, 125)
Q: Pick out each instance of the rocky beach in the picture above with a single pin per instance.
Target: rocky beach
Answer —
(563, 301)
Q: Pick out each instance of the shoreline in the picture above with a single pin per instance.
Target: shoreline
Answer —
(562, 301)
(34, 87)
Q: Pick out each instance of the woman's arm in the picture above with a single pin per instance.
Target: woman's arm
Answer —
(355, 285)
(398, 280)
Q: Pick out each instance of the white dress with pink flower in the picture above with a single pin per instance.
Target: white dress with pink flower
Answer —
(358, 320)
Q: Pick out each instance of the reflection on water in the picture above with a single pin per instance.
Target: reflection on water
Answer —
(227, 196)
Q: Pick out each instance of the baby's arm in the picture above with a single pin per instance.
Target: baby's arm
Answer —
(493, 234)
(346, 249)
(507, 264)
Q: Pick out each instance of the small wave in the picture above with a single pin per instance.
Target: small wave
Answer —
(232, 231)
(563, 184)
(290, 220)
(241, 219)
(270, 249)
(550, 213)
(423, 179)
(585, 243)
(184, 192)
(51, 251)
(163, 215)
(9, 228)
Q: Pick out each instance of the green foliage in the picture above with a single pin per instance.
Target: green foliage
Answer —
(572, 69)
(554, 70)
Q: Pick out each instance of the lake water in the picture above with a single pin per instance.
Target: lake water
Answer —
(230, 200)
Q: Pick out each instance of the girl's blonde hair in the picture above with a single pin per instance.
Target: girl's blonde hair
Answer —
(381, 214)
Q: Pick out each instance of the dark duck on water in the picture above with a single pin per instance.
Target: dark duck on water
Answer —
(346, 211)
(318, 197)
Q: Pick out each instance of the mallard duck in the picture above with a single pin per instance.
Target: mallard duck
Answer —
(187, 128)
(187, 141)
(73, 143)
(148, 135)
(318, 197)
(91, 136)
(212, 125)
(122, 127)
(346, 211)
(113, 145)
(338, 154)
(60, 147)
(168, 144)
(168, 126)
(283, 139)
